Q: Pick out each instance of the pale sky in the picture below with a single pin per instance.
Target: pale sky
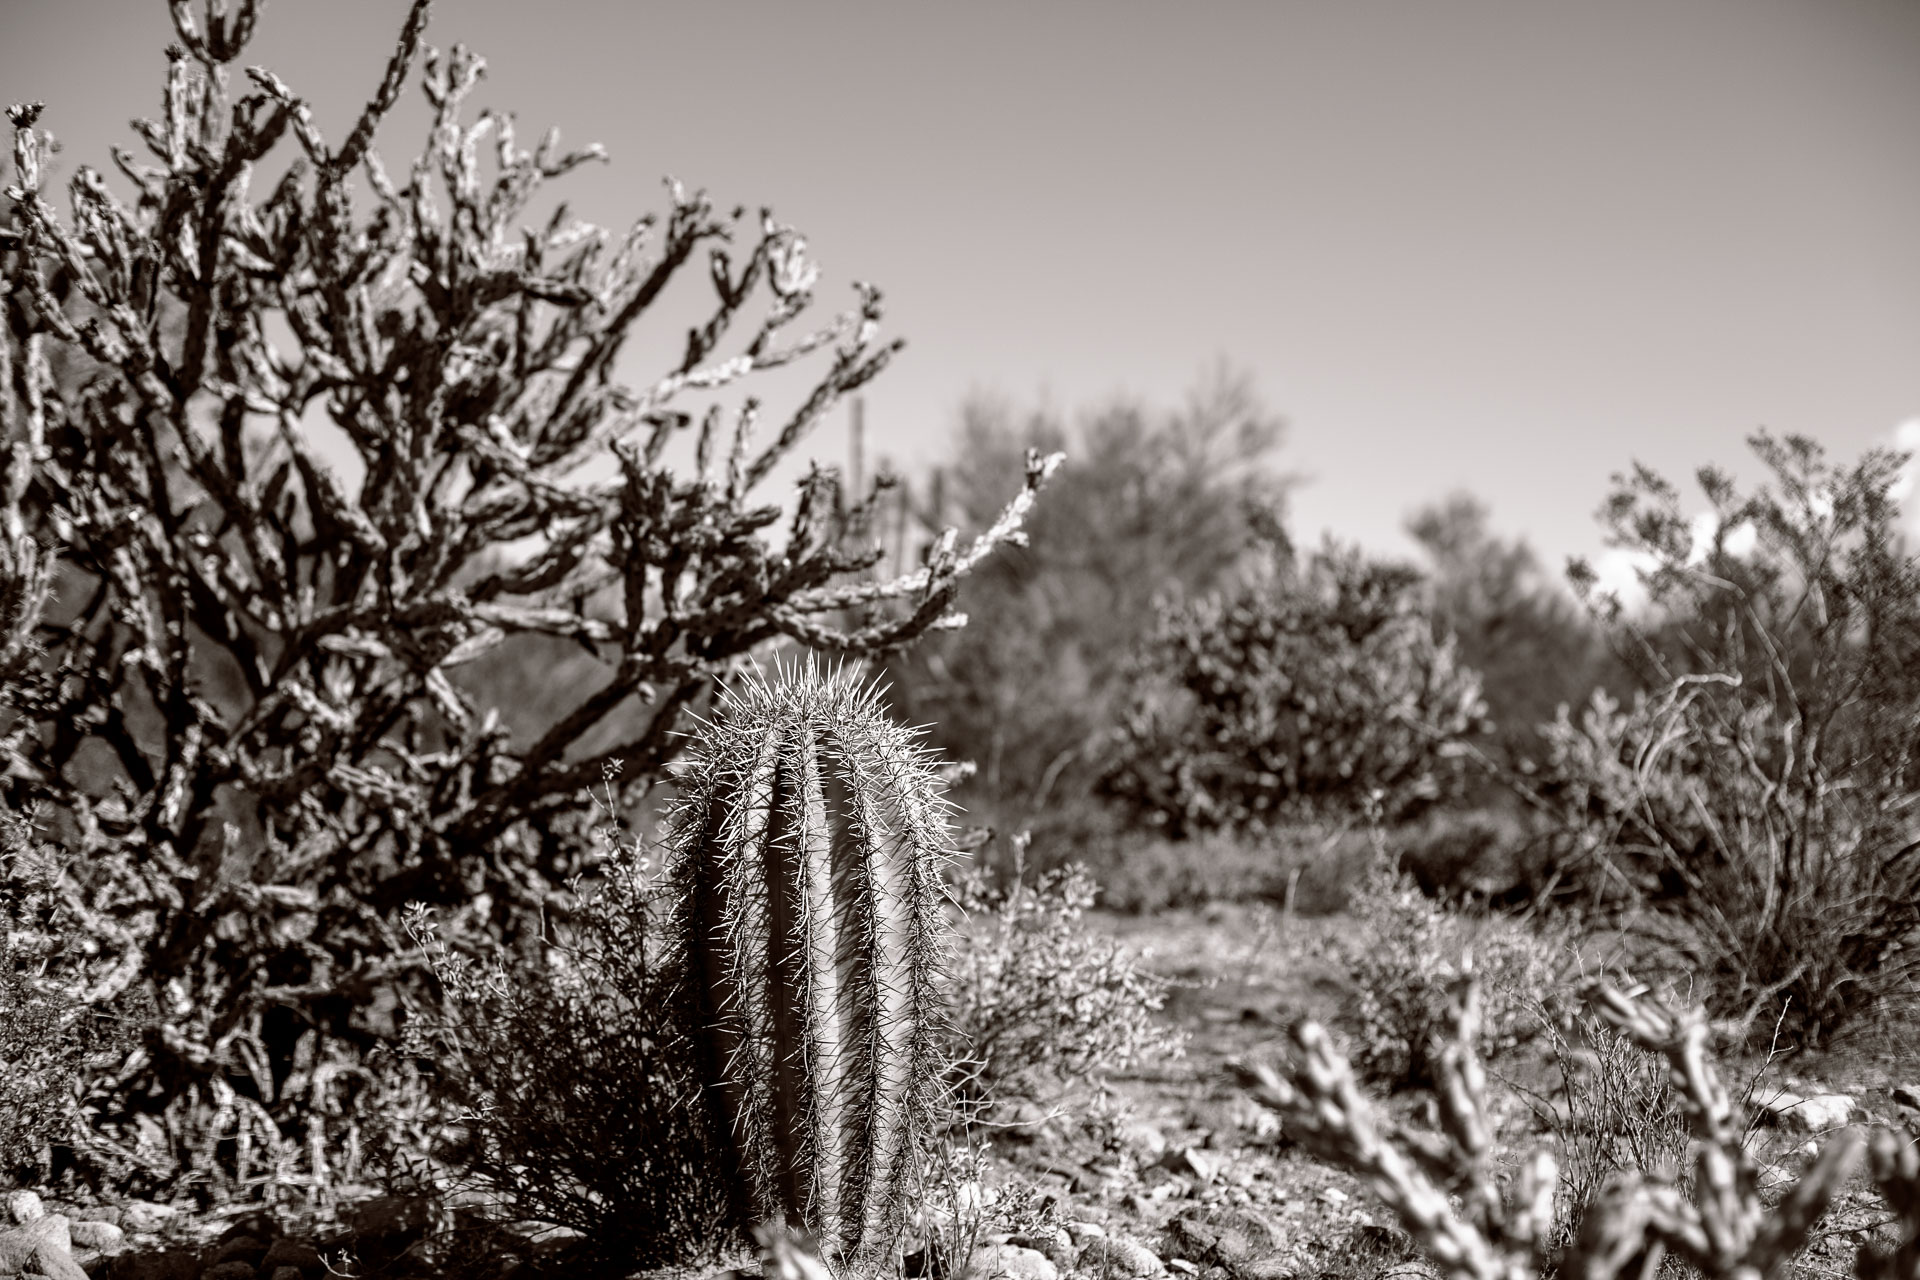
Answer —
(1505, 245)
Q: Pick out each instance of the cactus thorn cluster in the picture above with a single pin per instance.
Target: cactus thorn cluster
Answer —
(807, 846)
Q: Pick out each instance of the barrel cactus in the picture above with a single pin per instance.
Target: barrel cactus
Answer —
(807, 848)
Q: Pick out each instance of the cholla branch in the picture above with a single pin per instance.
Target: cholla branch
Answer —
(1728, 1233)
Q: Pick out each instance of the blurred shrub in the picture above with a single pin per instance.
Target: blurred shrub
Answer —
(1150, 501)
(1404, 957)
(1762, 798)
(1305, 692)
(1526, 635)
(1040, 999)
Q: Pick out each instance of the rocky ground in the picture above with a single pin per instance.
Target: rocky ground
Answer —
(1167, 1171)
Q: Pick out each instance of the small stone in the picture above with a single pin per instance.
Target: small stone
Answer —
(1808, 1114)
(1057, 1245)
(1264, 1269)
(1082, 1232)
(1119, 1256)
(286, 1273)
(19, 1244)
(1009, 1262)
(1184, 1267)
(1190, 1162)
(234, 1270)
(1222, 1238)
(101, 1236)
(26, 1206)
(1771, 1176)
(1907, 1095)
(1333, 1196)
(144, 1215)
(247, 1249)
(288, 1252)
(1141, 1137)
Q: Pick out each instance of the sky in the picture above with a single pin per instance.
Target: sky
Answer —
(1507, 246)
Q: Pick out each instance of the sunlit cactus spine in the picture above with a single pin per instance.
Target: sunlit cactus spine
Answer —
(807, 847)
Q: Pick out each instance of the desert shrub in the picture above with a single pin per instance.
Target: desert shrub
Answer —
(1406, 953)
(1760, 796)
(1616, 1112)
(572, 1073)
(1526, 635)
(1157, 499)
(47, 1033)
(1302, 693)
(1041, 1000)
(243, 720)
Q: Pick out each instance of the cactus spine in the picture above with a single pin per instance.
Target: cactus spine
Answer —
(807, 844)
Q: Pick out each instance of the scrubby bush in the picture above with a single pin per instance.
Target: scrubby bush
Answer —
(1157, 499)
(1616, 1112)
(571, 1072)
(1306, 691)
(1041, 1000)
(1761, 796)
(48, 1033)
(1406, 953)
(243, 721)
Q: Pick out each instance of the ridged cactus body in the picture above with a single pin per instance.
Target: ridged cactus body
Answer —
(807, 846)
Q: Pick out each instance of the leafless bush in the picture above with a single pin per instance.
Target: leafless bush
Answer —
(1039, 998)
(1760, 797)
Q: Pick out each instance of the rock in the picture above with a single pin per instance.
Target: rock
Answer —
(26, 1206)
(1082, 1232)
(286, 1273)
(234, 1270)
(1009, 1262)
(1119, 1256)
(1184, 1267)
(1333, 1196)
(1190, 1162)
(288, 1252)
(1141, 1137)
(1227, 1238)
(19, 1244)
(1907, 1095)
(44, 1246)
(98, 1235)
(247, 1249)
(1811, 1115)
(1057, 1245)
(1770, 1177)
(1274, 1268)
(389, 1216)
(144, 1215)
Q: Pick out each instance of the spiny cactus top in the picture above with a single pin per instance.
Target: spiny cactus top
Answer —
(807, 847)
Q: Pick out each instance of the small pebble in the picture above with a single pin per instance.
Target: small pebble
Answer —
(26, 1206)
(230, 1271)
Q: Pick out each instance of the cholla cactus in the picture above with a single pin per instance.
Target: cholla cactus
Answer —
(807, 847)
(1726, 1232)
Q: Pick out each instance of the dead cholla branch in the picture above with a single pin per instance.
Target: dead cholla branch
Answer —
(1443, 1189)
(243, 712)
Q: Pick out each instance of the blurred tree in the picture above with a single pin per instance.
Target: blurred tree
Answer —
(1150, 502)
(1533, 645)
